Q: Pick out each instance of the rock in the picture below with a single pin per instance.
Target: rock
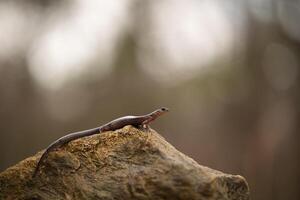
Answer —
(124, 164)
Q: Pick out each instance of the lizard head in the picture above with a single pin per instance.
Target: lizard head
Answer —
(164, 109)
(161, 111)
(152, 116)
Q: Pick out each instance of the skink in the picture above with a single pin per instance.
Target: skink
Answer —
(137, 121)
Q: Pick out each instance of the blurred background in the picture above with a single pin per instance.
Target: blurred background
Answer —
(228, 70)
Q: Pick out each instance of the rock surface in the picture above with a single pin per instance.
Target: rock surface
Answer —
(124, 164)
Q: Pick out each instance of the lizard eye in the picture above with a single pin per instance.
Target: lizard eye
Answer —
(164, 109)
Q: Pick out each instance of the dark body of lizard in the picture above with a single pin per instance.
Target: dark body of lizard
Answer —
(137, 121)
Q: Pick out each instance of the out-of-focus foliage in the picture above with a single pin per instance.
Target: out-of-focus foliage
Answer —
(228, 70)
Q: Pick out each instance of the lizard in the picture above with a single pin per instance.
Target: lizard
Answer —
(137, 121)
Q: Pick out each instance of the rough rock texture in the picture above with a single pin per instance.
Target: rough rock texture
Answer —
(123, 164)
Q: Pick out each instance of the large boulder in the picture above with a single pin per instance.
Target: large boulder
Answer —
(124, 164)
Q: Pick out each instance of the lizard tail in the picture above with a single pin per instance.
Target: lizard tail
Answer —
(38, 166)
(61, 141)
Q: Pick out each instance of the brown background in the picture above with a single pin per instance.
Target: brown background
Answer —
(238, 112)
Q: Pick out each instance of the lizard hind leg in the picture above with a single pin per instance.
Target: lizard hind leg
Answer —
(144, 127)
